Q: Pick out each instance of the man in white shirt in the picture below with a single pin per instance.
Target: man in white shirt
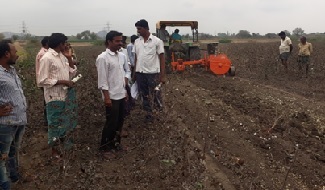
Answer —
(149, 66)
(56, 71)
(42, 51)
(113, 73)
(285, 49)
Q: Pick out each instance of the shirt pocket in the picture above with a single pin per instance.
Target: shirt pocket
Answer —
(150, 49)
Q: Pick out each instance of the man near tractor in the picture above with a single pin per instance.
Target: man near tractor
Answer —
(149, 66)
(175, 37)
(305, 49)
(285, 49)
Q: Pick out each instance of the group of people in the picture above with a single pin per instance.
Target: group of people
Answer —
(146, 67)
(304, 51)
(165, 37)
(142, 61)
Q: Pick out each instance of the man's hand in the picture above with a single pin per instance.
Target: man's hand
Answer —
(162, 79)
(126, 97)
(5, 110)
(108, 102)
(67, 53)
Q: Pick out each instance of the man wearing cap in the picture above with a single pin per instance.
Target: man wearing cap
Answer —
(149, 66)
(285, 49)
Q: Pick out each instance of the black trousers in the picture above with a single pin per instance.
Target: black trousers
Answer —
(146, 85)
(113, 126)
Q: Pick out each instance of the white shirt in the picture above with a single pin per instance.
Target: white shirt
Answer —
(112, 69)
(54, 66)
(285, 45)
(148, 54)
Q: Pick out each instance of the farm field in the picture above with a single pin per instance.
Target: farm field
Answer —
(262, 129)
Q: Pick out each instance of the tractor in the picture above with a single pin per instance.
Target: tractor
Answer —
(179, 55)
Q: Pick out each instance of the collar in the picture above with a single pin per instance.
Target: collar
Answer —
(4, 69)
(149, 38)
(53, 52)
(111, 52)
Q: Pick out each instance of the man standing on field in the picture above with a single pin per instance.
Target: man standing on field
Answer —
(149, 67)
(42, 51)
(56, 72)
(305, 50)
(285, 49)
(113, 73)
(13, 117)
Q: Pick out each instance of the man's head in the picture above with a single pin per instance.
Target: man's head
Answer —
(114, 40)
(303, 39)
(176, 31)
(8, 53)
(142, 27)
(133, 38)
(58, 41)
(45, 42)
(282, 34)
(124, 41)
(163, 26)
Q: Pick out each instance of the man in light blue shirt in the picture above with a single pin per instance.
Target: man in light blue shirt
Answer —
(13, 118)
(131, 54)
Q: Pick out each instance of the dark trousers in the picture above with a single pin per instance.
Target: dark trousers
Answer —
(114, 123)
(146, 85)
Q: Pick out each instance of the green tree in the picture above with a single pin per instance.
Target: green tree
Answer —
(298, 31)
(244, 34)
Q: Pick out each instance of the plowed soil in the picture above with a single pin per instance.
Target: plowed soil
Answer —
(262, 129)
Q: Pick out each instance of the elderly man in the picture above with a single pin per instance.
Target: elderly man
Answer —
(285, 49)
(56, 71)
(13, 116)
(149, 66)
(305, 50)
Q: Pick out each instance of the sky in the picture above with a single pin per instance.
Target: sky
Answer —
(43, 17)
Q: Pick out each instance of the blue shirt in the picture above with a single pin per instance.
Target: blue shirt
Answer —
(11, 92)
(176, 36)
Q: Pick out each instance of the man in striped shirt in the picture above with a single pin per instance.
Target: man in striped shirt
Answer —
(13, 116)
(56, 72)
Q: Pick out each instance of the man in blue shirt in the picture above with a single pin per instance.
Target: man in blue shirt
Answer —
(176, 37)
(13, 116)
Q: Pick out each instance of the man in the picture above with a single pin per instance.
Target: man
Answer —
(131, 54)
(285, 49)
(113, 73)
(56, 71)
(149, 66)
(163, 33)
(42, 51)
(13, 116)
(305, 50)
(176, 38)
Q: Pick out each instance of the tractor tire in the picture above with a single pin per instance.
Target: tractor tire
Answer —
(195, 53)
(232, 71)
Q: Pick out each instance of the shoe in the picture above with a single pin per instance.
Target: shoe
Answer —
(14, 179)
(119, 148)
